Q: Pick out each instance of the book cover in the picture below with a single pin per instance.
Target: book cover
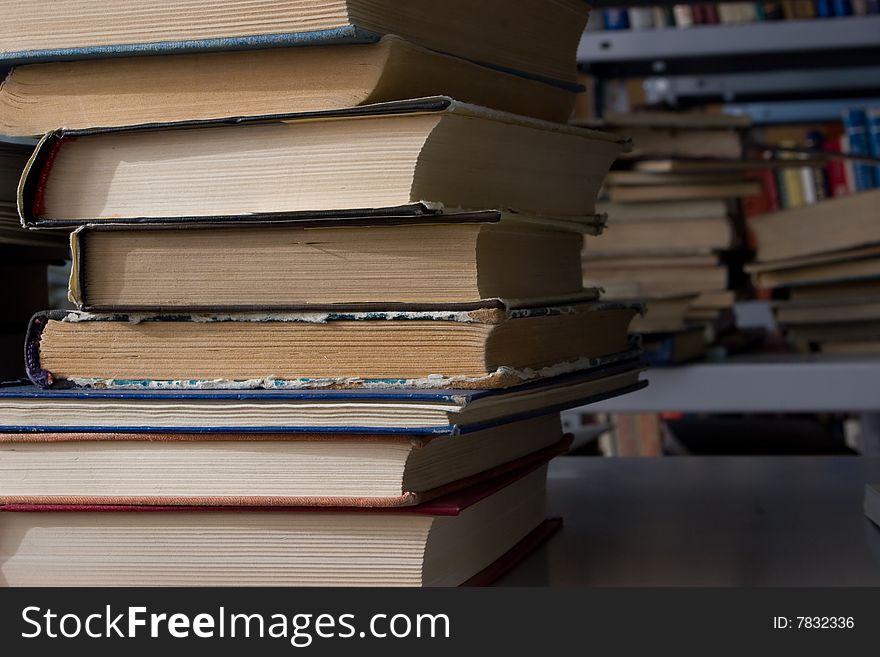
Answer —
(873, 118)
(855, 122)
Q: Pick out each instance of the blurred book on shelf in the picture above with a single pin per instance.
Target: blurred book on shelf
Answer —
(822, 263)
(815, 232)
(696, 14)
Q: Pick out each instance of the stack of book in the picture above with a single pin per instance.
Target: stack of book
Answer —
(25, 257)
(325, 346)
(671, 212)
(825, 258)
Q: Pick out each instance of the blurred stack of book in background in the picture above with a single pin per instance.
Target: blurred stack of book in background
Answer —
(676, 238)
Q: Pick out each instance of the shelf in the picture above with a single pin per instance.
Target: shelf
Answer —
(806, 111)
(786, 384)
(750, 43)
(766, 85)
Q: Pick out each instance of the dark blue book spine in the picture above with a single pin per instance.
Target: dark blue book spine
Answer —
(616, 19)
(873, 116)
(824, 9)
(842, 8)
(855, 123)
(874, 6)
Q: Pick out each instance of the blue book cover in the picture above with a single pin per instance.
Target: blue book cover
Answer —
(855, 123)
(824, 8)
(873, 115)
(616, 19)
(842, 8)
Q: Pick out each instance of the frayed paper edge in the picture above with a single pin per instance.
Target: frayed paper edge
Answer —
(508, 376)
(461, 316)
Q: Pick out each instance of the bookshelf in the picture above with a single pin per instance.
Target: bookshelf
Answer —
(761, 383)
(790, 42)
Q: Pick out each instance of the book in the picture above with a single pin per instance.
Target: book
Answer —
(663, 210)
(872, 503)
(680, 276)
(537, 37)
(684, 16)
(683, 192)
(838, 266)
(393, 411)
(852, 348)
(837, 311)
(615, 19)
(444, 542)
(835, 290)
(637, 178)
(718, 165)
(685, 236)
(39, 98)
(641, 18)
(678, 134)
(480, 348)
(825, 333)
(853, 225)
(663, 349)
(393, 157)
(681, 142)
(328, 263)
(317, 470)
(873, 117)
(835, 170)
(855, 122)
(664, 314)
(715, 300)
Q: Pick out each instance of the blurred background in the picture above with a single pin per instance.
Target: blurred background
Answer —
(746, 217)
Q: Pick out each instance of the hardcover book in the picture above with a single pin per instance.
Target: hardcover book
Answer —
(482, 348)
(444, 542)
(854, 226)
(534, 36)
(393, 411)
(459, 258)
(39, 98)
(397, 158)
(264, 469)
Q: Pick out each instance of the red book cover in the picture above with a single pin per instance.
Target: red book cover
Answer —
(767, 200)
(710, 13)
(699, 14)
(836, 170)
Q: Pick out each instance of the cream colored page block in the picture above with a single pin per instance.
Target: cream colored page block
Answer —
(83, 23)
(248, 169)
